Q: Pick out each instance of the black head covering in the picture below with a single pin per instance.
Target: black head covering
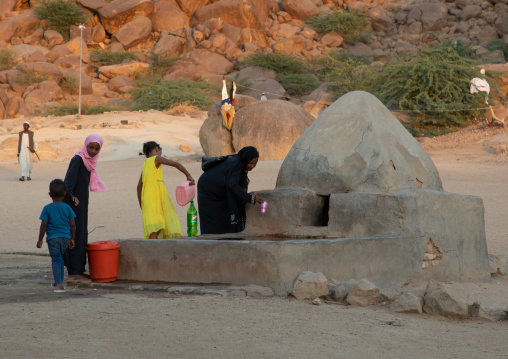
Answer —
(247, 154)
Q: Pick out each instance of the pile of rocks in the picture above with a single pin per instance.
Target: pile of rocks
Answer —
(453, 300)
(212, 36)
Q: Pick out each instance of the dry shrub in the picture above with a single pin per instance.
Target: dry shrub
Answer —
(183, 109)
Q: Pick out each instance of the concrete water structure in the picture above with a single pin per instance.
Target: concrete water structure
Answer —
(356, 197)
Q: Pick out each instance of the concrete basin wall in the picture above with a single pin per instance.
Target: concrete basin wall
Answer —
(387, 239)
(386, 261)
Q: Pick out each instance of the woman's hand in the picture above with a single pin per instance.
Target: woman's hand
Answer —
(191, 180)
(259, 200)
(75, 200)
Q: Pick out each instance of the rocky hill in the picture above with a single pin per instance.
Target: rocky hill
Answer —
(210, 37)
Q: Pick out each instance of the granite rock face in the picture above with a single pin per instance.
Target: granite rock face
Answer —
(357, 145)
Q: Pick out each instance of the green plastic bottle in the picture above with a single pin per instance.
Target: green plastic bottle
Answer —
(192, 221)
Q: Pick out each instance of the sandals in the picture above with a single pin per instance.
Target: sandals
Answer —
(22, 178)
(78, 278)
(57, 290)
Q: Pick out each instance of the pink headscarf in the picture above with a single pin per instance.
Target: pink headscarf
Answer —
(96, 184)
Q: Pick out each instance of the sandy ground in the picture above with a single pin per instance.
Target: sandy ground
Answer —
(83, 323)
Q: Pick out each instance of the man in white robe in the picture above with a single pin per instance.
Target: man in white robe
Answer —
(26, 149)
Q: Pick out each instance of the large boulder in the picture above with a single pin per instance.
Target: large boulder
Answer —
(119, 12)
(202, 63)
(53, 88)
(41, 68)
(213, 136)
(122, 84)
(38, 97)
(134, 32)
(265, 7)
(357, 145)
(168, 16)
(94, 5)
(9, 5)
(169, 44)
(53, 38)
(240, 13)
(190, 6)
(72, 77)
(258, 81)
(290, 45)
(20, 26)
(300, 9)
(72, 48)
(15, 107)
(270, 126)
(433, 15)
(128, 69)
(272, 89)
(381, 20)
(25, 50)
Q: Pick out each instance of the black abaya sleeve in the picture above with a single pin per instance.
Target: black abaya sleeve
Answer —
(72, 175)
(234, 186)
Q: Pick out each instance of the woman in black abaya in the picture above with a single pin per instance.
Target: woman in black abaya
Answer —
(222, 193)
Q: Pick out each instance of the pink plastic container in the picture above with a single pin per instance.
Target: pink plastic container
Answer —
(185, 193)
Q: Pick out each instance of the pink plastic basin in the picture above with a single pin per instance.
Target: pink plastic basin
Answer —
(185, 193)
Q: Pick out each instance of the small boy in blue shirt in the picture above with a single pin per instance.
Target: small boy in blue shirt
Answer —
(58, 222)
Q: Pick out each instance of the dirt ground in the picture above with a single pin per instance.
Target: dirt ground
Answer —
(104, 322)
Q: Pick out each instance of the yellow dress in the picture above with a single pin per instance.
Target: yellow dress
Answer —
(158, 211)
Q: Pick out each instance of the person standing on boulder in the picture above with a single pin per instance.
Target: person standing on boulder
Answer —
(26, 149)
(222, 193)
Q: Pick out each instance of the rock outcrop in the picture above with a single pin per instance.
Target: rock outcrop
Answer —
(270, 126)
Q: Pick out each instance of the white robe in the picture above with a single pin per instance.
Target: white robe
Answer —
(26, 157)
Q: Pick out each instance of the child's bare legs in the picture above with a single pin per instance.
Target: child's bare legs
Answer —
(155, 235)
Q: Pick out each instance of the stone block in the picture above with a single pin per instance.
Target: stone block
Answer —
(287, 209)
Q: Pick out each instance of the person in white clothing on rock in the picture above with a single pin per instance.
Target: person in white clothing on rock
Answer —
(26, 149)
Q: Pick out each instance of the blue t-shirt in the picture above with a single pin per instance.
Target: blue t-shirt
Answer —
(58, 216)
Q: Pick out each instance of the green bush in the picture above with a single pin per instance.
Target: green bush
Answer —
(105, 58)
(160, 67)
(293, 73)
(8, 59)
(498, 44)
(348, 24)
(70, 85)
(464, 50)
(298, 84)
(30, 78)
(432, 86)
(60, 15)
(344, 72)
(275, 61)
(165, 94)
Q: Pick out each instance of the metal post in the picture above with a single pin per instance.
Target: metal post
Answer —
(81, 27)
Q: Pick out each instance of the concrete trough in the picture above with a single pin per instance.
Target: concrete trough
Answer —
(386, 261)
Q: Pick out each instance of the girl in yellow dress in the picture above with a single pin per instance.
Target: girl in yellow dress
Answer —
(159, 216)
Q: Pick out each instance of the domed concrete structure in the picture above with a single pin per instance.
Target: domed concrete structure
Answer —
(357, 145)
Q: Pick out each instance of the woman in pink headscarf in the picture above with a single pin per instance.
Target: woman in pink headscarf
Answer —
(80, 176)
